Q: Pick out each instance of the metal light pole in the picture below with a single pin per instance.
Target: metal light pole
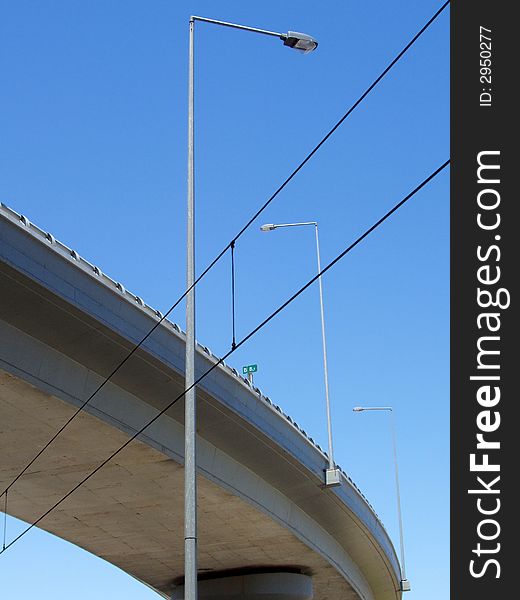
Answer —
(332, 476)
(303, 43)
(405, 584)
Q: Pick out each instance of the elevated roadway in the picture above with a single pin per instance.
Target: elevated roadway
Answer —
(264, 516)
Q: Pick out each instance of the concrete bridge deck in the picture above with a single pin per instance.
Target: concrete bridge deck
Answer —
(64, 325)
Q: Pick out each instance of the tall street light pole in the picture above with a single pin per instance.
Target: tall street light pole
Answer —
(405, 584)
(304, 43)
(332, 476)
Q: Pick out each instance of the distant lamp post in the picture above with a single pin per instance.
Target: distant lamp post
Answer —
(303, 43)
(405, 584)
(332, 476)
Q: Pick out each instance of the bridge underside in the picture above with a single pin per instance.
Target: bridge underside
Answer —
(131, 512)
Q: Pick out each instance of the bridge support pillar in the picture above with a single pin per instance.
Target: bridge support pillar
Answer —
(252, 586)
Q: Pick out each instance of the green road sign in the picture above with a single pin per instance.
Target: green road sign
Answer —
(249, 369)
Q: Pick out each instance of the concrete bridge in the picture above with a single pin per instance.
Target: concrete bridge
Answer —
(267, 527)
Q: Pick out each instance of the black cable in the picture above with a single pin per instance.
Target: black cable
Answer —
(233, 340)
(240, 343)
(240, 233)
(5, 520)
(345, 116)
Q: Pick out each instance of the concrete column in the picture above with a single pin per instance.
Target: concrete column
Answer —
(253, 586)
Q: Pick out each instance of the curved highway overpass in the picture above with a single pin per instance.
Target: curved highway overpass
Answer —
(64, 326)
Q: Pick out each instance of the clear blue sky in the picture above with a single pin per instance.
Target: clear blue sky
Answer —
(93, 148)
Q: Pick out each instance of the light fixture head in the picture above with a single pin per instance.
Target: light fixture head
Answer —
(299, 41)
(268, 227)
(358, 409)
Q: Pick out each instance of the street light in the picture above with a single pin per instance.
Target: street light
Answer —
(405, 584)
(303, 43)
(299, 41)
(332, 476)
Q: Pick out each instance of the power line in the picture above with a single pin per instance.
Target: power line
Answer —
(233, 337)
(5, 521)
(231, 244)
(343, 118)
(238, 345)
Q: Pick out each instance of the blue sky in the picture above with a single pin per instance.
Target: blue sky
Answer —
(93, 148)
